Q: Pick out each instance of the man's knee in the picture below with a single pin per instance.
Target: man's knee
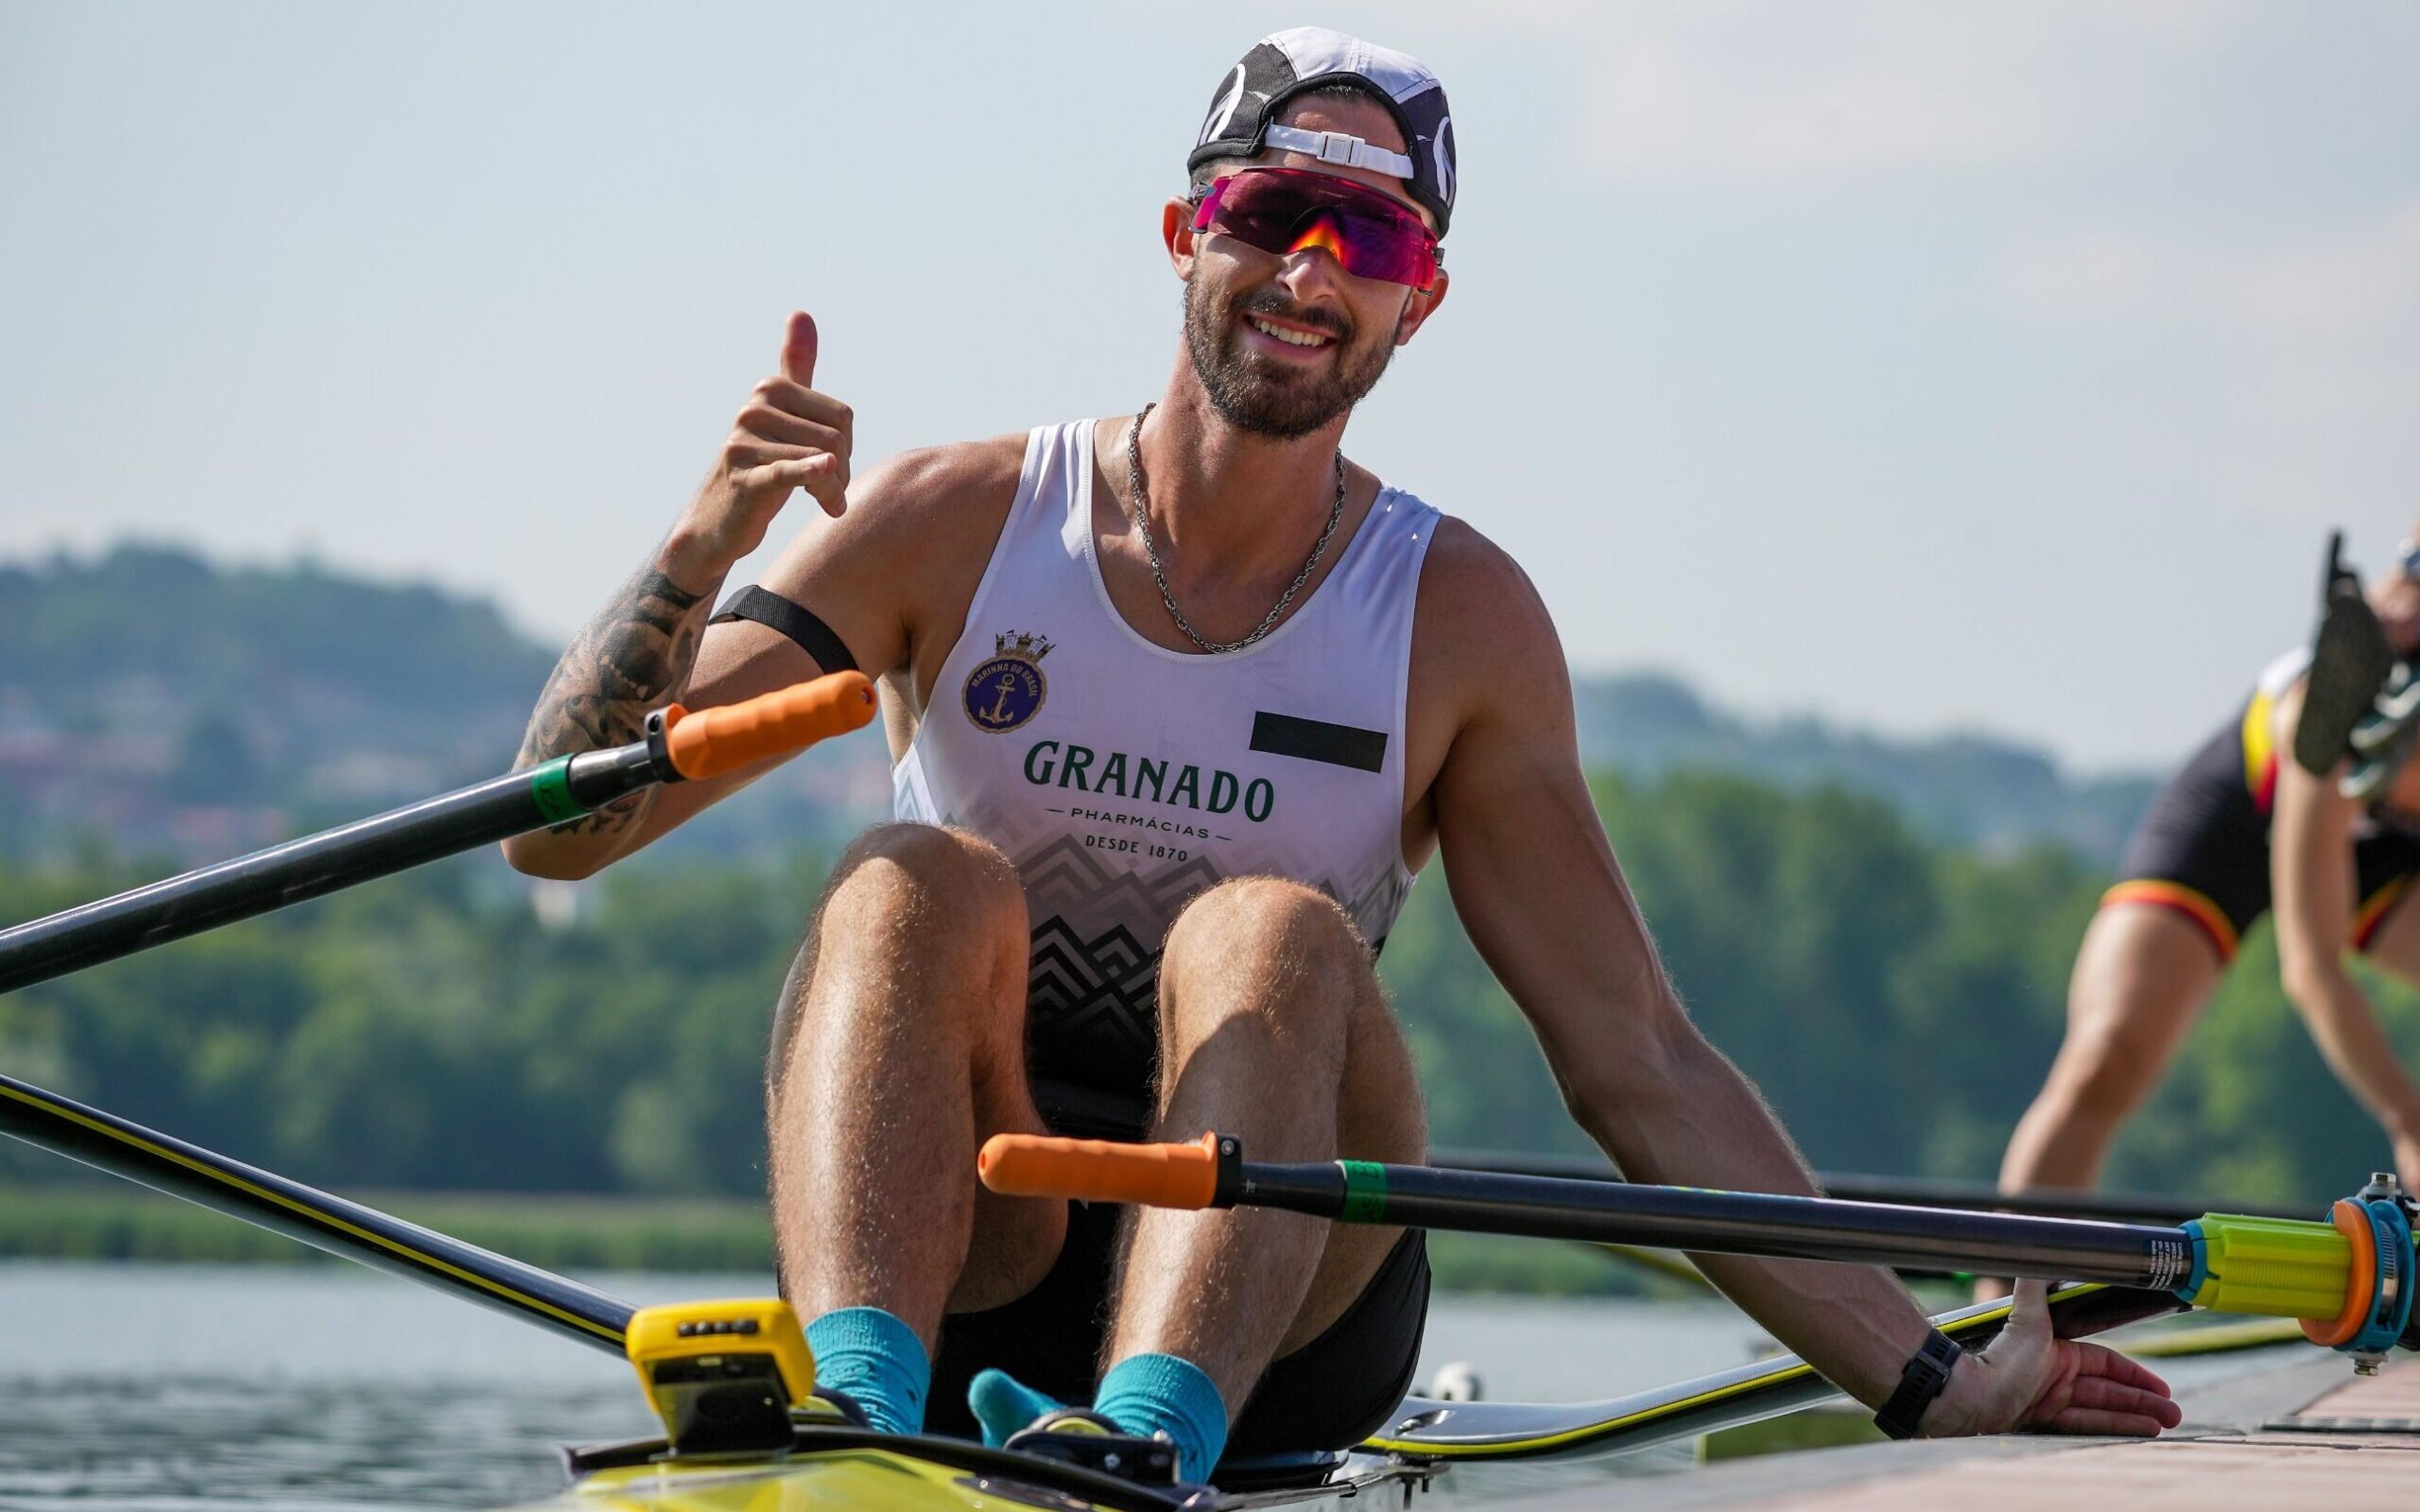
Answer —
(906, 900)
(1269, 919)
(946, 881)
(1269, 945)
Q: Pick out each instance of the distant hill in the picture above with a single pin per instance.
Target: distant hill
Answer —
(1967, 789)
(153, 703)
(157, 704)
(298, 666)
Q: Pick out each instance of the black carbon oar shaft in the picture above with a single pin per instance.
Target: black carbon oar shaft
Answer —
(1732, 1223)
(315, 1218)
(481, 814)
(1911, 1191)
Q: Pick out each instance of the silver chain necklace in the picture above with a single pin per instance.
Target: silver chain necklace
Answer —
(1151, 548)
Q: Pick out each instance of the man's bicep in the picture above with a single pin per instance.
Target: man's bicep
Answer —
(906, 556)
(855, 576)
(1534, 877)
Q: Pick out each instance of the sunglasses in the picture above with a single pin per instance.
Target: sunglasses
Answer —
(1286, 210)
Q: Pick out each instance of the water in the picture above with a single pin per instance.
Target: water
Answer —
(188, 1387)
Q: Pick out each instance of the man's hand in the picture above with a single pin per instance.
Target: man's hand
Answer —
(788, 436)
(2031, 1380)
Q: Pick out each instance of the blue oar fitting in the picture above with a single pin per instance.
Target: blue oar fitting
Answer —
(2391, 1319)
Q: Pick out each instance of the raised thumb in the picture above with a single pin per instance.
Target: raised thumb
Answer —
(798, 351)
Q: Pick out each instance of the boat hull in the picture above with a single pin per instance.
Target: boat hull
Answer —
(850, 1468)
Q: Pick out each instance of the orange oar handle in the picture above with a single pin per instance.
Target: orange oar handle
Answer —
(711, 742)
(1095, 1170)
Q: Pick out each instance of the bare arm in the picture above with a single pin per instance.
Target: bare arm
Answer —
(2312, 882)
(638, 654)
(1537, 885)
(891, 573)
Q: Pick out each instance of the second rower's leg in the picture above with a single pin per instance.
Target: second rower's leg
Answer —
(2140, 977)
(1272, 1028)
(899, 1046)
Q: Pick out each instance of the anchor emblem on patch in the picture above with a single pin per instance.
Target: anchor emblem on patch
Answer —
(1007, 691)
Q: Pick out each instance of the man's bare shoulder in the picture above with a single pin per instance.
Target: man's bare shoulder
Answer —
(931, 487)
(1476, 604)
(1485, 657)
(910, 512)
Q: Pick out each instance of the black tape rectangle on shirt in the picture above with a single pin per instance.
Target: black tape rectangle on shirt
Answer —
(1316, 740)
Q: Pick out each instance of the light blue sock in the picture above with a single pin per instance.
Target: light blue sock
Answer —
(1149, 1393)
(1005, 1405)
(879, 1360)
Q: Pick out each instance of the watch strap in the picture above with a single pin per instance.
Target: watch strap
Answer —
(1926, 1375)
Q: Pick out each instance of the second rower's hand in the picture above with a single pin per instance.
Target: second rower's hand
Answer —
(637, 654)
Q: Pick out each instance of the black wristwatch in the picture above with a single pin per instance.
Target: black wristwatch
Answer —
(1926, 1374)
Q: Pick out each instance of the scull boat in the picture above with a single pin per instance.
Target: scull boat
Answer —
(731, 1379)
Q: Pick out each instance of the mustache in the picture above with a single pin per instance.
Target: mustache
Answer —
(1270, 302)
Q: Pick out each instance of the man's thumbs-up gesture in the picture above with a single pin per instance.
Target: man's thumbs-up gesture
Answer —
(788, 436)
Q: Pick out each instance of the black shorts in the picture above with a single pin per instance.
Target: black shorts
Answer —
(1331, 1394)
(2203, 851)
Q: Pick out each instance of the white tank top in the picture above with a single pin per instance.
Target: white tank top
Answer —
(1123, 778)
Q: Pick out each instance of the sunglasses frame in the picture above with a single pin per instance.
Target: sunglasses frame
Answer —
(1203, 197)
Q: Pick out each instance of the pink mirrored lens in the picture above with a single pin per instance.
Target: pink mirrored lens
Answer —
(1283, 210)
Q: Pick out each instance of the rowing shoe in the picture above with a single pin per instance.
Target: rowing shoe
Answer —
(680, 746)
(2347, 1278)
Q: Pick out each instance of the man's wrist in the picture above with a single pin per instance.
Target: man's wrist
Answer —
(1922, 1385)
(1958, 1411)
(1932, 1397)
(692, 561)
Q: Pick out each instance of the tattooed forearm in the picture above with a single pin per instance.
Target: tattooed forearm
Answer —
(630, 659)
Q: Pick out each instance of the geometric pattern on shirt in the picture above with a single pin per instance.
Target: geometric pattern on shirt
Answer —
(1093, 973)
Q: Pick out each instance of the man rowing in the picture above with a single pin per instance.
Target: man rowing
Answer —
(2239, 833)
(1179, 702)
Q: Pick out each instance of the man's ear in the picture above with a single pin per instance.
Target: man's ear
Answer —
(1423, 305)
(1176, 234)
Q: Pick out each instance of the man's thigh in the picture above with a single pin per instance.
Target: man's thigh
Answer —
(927, 925)
(1292, 943)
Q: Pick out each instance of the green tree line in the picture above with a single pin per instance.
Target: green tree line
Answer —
(1897, 999)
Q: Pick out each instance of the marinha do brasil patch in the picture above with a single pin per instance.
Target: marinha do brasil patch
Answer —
(1007, 691)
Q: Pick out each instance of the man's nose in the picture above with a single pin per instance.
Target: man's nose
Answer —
(1314, 277)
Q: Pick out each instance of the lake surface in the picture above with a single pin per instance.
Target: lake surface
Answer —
(187, 1387)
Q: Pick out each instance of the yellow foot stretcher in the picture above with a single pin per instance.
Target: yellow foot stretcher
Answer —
(744, 1427)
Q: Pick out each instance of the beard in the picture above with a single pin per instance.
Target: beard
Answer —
(1259, 398)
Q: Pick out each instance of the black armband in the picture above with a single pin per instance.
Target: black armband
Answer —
(774, 613)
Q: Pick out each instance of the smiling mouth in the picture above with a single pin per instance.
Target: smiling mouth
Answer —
(1308, 339)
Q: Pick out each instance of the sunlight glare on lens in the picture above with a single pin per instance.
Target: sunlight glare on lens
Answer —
(1321, 235)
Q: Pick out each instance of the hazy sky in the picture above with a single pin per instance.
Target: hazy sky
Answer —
(1923, 364)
